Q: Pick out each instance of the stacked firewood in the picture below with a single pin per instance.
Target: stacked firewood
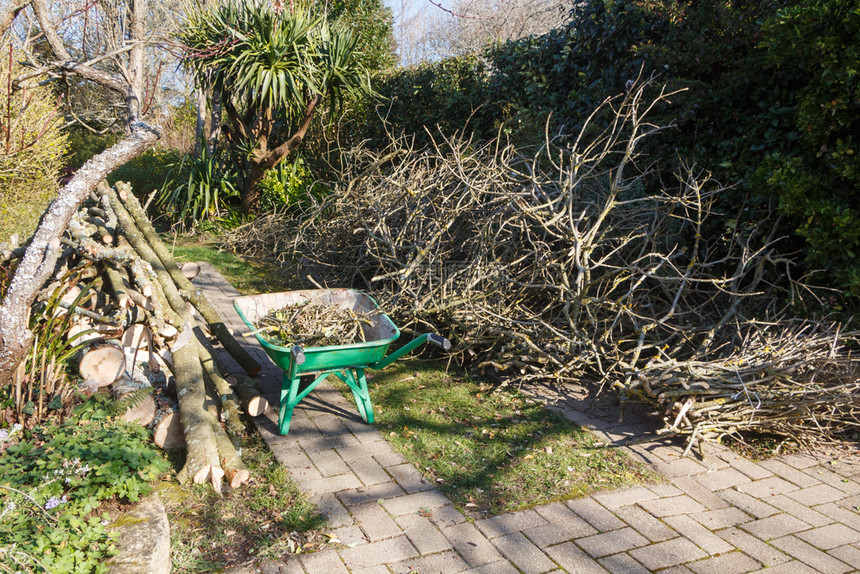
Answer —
(143, 317)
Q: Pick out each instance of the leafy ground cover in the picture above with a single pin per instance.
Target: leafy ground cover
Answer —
(267, 518)
(63, 482)
(491, 450)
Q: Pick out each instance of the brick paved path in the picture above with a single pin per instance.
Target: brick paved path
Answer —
(722, 514)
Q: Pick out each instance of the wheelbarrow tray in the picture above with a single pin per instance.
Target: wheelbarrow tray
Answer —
(378, 335)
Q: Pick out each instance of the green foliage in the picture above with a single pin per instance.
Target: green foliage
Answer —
(450, 95)
(817, 180)
(52, 486)
(288, 184)
(198, 188)
(148, 172)
(372, 23)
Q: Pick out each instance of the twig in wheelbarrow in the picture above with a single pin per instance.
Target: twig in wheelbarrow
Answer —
(314, 325)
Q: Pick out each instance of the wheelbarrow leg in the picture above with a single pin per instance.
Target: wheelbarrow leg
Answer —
(357, 383)
(289, 390)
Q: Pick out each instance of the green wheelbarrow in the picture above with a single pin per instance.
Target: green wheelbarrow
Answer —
(347, 362)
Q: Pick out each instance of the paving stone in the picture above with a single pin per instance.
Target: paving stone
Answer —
(761, 551)
(324, 562)
(793, 567)
(624, 497)
(426, 538)
(349, 535)
(353, 452)
(444, 563)
(291, 566)
(799, 461)
(775, 526)
(524, 555)
(387, 459)
(810, 555)
(305, 473)
(840, 514)
(848, 554)
(291, 455)
(731, 563)
(415, 502)
(368, 471)
(500, 567)
(378, 569)
(669, 553)
(650, 527)
(714, 463)
(595, 514)
(747, 467)
(798, 510)
(375, 522)
(364, 494)
(572, 559)
(723, 518)
(693, 488)
(559, 514)
(475, 549)
(333, 510)
(835, 480)
(446, 516)
(612, 542)
(829, 537)
(698, 534)
(622, 564)
(767, 487)
(664, 490)
(782, 470)
(409, 477)
(722, 479)
(382, 552)
(748, 504)
(328, 462)
(672, 506)
(330, 484)
(679, 569)
(510, 523)
(819, 494)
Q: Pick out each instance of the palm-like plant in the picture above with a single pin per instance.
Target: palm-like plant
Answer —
(270, 65)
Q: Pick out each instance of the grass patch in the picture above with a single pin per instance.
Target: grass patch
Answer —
(266, 518)
(488, 450)
(247, 277)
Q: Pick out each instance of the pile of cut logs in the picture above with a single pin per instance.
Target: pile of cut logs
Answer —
(148, 320)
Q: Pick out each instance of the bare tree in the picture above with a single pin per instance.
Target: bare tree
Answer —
(467, 26)
(98, 43)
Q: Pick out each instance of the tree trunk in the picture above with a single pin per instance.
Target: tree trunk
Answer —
(42, 254)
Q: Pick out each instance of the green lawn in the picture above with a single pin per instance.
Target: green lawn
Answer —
(491, 450)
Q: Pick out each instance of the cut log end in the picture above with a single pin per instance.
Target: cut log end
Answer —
(168, 433)
(103, 363)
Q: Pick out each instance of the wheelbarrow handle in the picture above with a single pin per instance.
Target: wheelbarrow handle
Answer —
(408, 347)
(298, 354)
(439, 341)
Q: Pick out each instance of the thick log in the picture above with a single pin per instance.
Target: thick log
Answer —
(235, 470)
(216, 324)
(142, 406)
(190, 270)
(102, 362)
(201, 461)
(248, 391)
(167, 433)
(119, 286)
(226, 398)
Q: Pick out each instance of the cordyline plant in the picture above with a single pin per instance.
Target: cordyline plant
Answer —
(274, 66)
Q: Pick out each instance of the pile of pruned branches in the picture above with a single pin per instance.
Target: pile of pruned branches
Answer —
(564, 265)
